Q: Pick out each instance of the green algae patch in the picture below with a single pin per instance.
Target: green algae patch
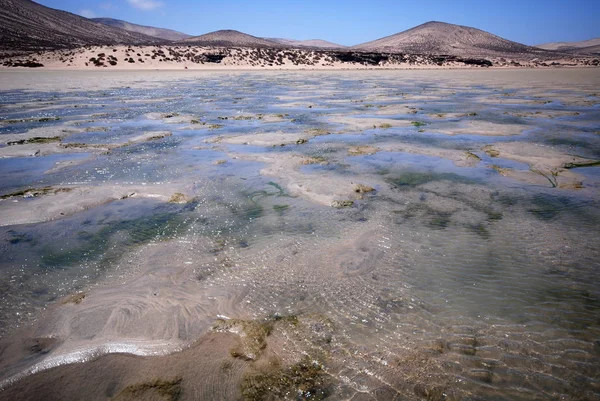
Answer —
(96, 245)
(416, 178)
(281, 208)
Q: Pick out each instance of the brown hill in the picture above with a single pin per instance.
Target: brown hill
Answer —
(161, 33)
(229, 38)
(25, 24)
(448, 39)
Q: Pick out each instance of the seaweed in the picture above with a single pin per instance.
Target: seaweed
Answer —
(163, 389)
(33, 192)
(340, 204)
(363, 189)
(278, 187)
(252, 333)
(440, 220)
(582, 164)
(178, 197)
(305, 380)
(490, 151)
(280, 208)
(74, 299)
(36, 139)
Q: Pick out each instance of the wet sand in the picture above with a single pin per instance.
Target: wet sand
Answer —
(300, 235)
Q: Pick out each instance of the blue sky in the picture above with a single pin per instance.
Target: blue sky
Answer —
(350, 22)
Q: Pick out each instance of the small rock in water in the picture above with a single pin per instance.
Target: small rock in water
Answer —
(178, 197)
(363, 189)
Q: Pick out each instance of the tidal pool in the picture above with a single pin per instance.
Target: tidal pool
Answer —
(300, 235)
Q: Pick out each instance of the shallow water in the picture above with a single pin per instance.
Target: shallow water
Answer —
(448, 281)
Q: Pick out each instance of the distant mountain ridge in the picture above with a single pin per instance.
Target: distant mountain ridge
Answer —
(161, 33)
(436, 37)
(230, 38)
(25, 24)
(569, 45)
(590, 46)
(315, 43)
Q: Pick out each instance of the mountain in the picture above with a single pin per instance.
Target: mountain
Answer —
(28, 25)
(585, 46)
(314, 43)
(161, 33)
(229, 38)
(447, 39)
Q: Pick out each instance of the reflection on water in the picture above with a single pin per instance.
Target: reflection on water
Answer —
(444, 279)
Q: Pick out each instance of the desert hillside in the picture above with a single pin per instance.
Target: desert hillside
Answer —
(161, 33)
(29, 25)
(442, 38)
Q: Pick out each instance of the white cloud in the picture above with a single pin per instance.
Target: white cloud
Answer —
(87, 13)
(145, 4)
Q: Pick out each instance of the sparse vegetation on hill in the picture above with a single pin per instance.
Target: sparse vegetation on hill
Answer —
(189, 56)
